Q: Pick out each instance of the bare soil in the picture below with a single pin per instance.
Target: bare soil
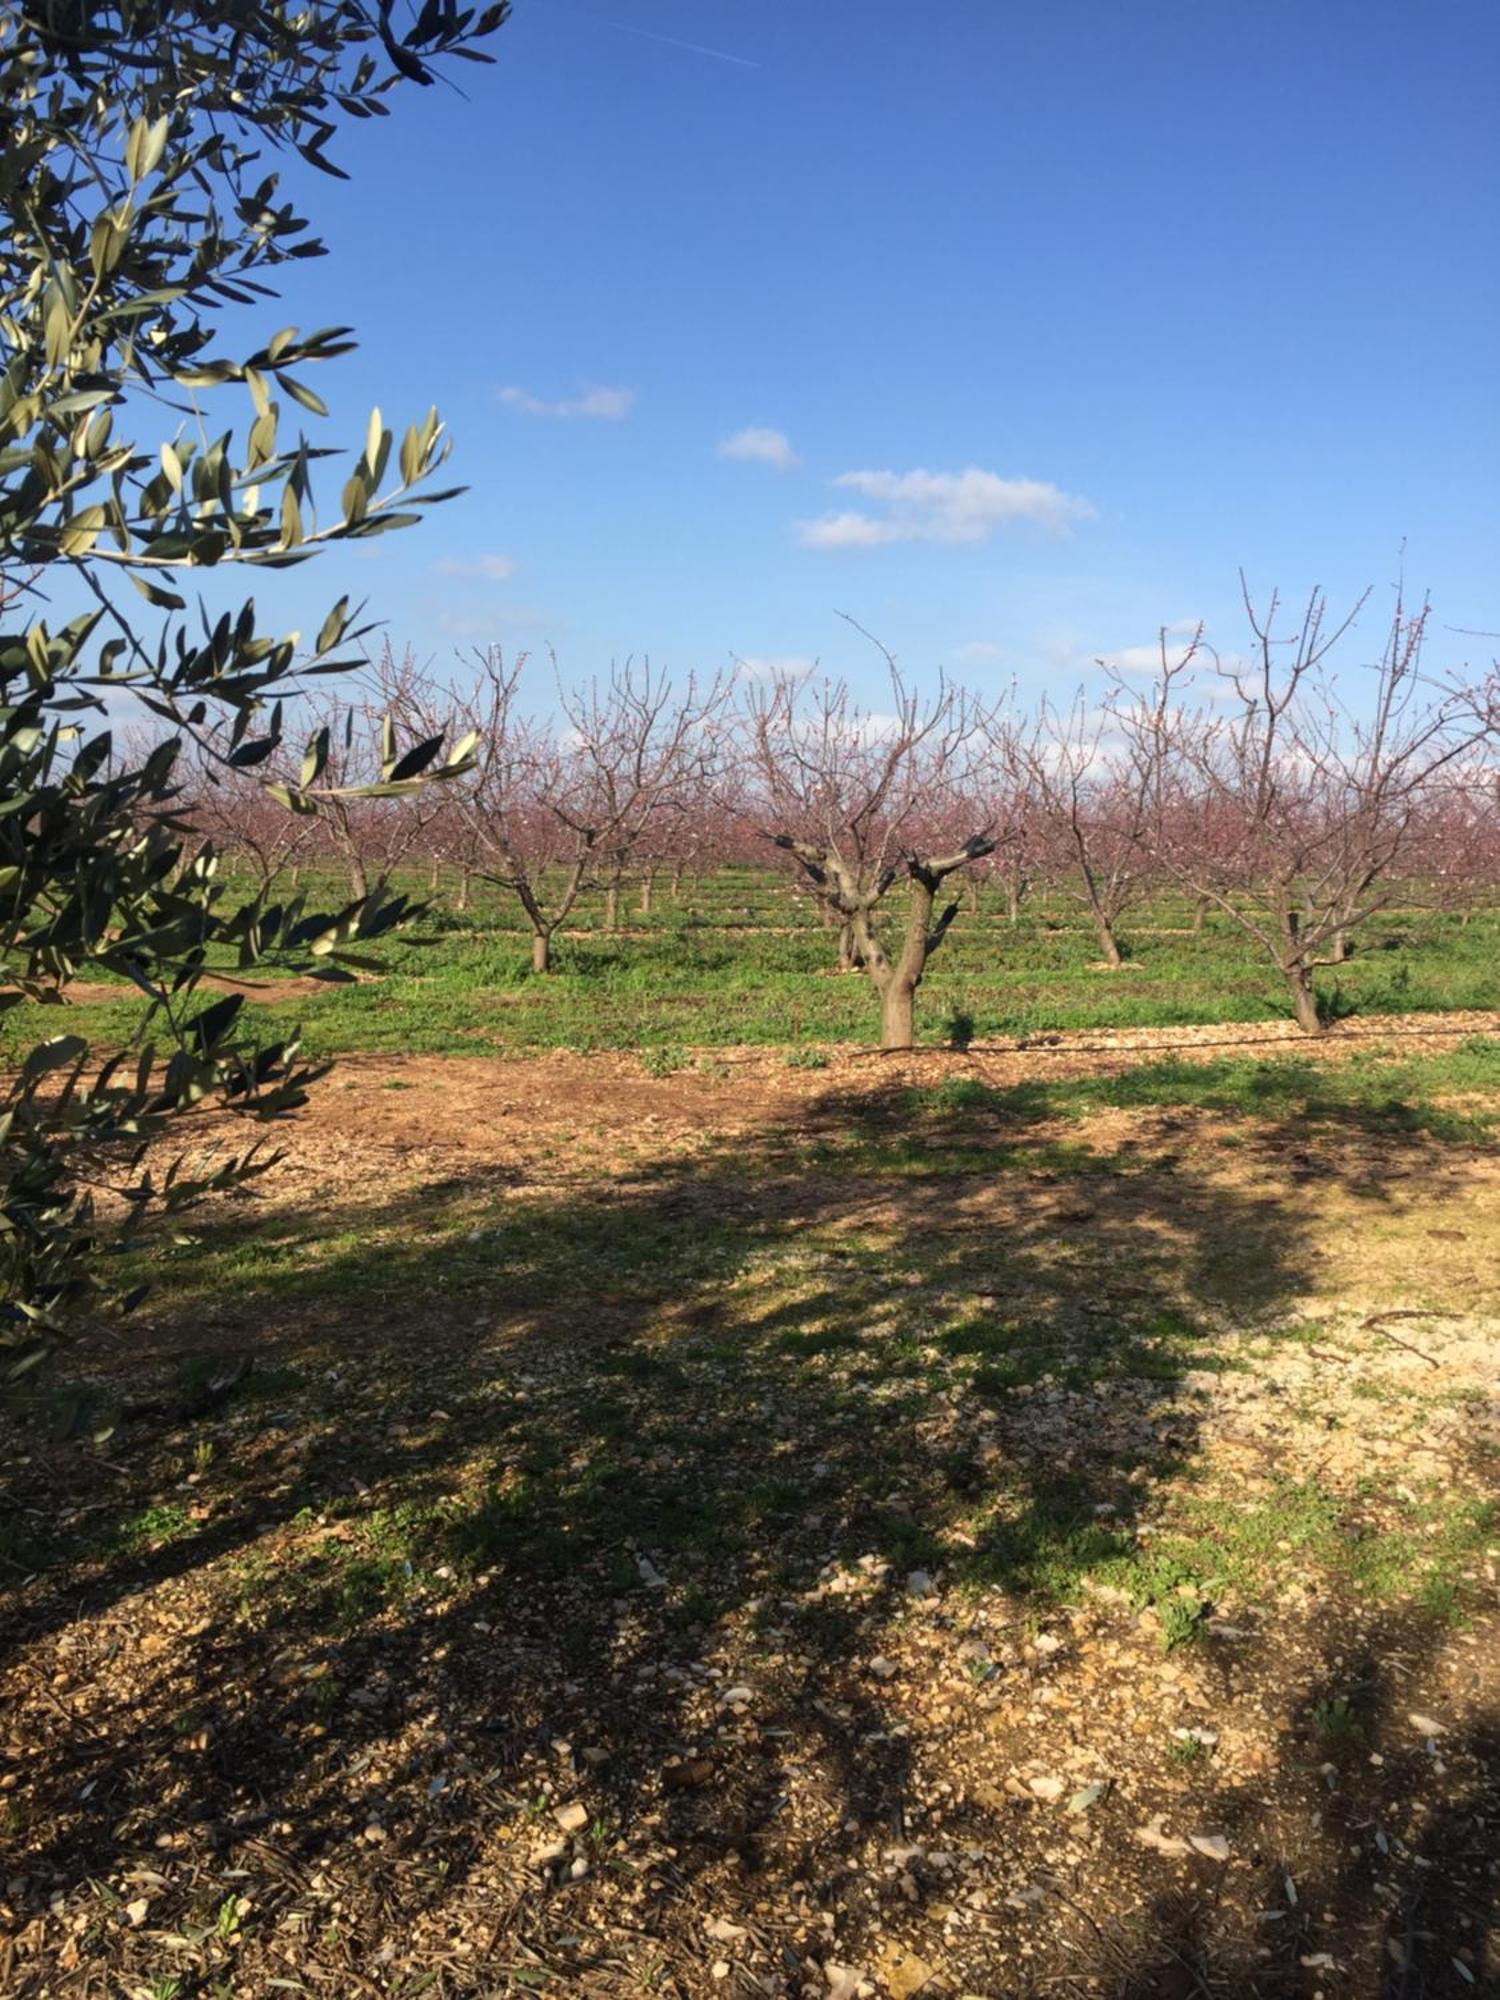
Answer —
(810, 1766)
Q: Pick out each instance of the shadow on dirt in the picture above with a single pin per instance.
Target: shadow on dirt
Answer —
(522, 1488)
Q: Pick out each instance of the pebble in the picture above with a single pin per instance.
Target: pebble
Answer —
(903, 1972)
(1048, 1787)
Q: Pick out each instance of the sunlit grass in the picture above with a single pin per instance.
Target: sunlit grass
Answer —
(739, 961)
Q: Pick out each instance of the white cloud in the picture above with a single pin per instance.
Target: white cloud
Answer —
(493, 569)
(983, 651)
(877, 727)
(775, 667)
(758, 445)
(1132, 660)
(1147, 659)
(846, 531)
(607, 405)
(953, 507)
(490, 624)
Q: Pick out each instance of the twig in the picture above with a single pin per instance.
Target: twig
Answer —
(1375, 1320)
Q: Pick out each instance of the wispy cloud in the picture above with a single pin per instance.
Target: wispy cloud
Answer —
(877, 727)
(757, 444)
(775, 667)
(609, 406)
(492, 622)
(1131, 660)
(955, 507)
(980, 652)
(491, 569)
(846, 531)
(1146, 659)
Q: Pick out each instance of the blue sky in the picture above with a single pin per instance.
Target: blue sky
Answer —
(1147, 290)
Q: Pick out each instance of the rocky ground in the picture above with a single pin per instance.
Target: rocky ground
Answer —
(786, 1532)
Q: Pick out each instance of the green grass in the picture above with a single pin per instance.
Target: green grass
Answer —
(153, 1527)
(739, 961)
(1336, 1719)
(1306, 1528)
(1394, 1094)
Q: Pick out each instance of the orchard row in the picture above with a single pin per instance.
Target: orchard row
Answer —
(1298, 788)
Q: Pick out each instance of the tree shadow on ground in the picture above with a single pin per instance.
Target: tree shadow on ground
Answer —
(550, 1478)
(1372, 1850)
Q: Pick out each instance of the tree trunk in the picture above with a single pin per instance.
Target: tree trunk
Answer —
(1015, 895)
(676, 881)
(648, 880)
(541, 951)
(849, 959)
(359, 880)
(434, 876)
(1340, 947)
(612, 905)
(463, 889)
(897, 1012)
(898, 980)
(1304, 998)
(1109, 944)
(1200, 912)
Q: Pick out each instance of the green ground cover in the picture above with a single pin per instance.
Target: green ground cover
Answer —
(738, 961)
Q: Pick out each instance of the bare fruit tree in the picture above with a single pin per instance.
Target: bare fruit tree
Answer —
(1089, 795)
(556, 806)
(859, 800)
(370, 831)
(1294, 801)
(232, 807)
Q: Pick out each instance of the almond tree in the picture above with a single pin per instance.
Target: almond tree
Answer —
(232, 808)
(1455, 855)
(1293, 802)
(1089, 796)
(554, 807)
(855, 797)
(371, 829)
(1010, 807)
